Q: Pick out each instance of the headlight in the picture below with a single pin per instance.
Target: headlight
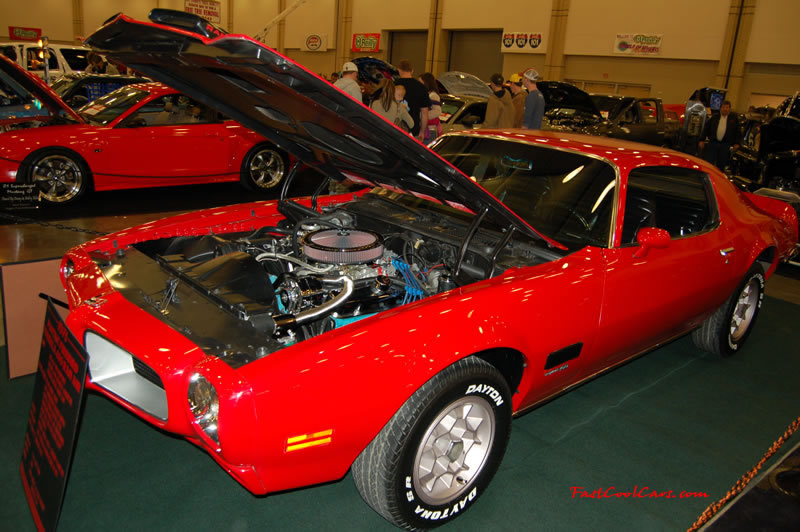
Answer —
(204, 404)
(68, 268)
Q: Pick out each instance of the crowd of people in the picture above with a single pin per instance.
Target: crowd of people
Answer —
(414, 104)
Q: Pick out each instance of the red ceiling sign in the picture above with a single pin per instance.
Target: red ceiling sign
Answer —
(366, 42)
(17, 33)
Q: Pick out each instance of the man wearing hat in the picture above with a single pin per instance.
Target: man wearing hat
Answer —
(534, 102)
(347, 81)
(518, 95)
(499, 109)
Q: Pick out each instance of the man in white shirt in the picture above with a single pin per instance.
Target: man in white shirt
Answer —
(347, 81)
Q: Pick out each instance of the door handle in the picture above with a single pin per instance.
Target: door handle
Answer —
(727, 251)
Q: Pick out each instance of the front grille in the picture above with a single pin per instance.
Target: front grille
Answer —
(147, 372)
(125, 376)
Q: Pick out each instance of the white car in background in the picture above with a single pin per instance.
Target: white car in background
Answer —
(64, 58)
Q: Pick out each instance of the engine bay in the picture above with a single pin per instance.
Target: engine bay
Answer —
(245, 295)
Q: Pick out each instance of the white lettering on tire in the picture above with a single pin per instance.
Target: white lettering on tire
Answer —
(485, 389)
(450, 511)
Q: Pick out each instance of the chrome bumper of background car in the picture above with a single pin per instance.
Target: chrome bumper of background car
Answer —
(125, 376)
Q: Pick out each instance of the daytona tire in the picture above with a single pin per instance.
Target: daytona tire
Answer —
(439, 452)
(725, 331)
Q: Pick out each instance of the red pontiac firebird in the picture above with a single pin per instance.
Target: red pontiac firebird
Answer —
(142, 135)
(397, 330)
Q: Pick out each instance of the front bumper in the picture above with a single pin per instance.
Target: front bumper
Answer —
(8, 171)
(145, 366)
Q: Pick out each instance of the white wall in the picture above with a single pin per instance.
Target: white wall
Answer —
(372, 16)
(520, 16)
(693, 32)
(95, 12)
(692, 29)
(252, 16)
(774, 36)
(312, 17)
(54, 17)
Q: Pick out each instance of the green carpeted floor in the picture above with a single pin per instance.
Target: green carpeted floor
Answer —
(675, 419)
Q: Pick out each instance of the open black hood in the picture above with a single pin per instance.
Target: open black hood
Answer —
(295, 109)
(559, 95)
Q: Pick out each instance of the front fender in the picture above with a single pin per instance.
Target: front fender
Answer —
(349, 382)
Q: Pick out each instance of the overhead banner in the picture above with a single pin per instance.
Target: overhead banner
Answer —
(17, 33)
(366, 42)
(208, 9)
(638, 43)
(521, 42)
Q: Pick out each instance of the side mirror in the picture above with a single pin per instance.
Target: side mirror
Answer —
(650, 237)
(136, 122)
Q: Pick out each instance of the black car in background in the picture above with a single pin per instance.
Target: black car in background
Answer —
(769, 157)
(639, 119)
(78, 89)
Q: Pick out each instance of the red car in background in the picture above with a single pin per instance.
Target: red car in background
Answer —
(394, 332)
(141, 135)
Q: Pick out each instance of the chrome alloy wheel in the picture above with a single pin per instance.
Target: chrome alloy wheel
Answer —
(744, 309)
(266, 168)
(454, 450)
(58, 177)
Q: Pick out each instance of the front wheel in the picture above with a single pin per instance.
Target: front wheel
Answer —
(439, 452)
(263, 168)
(60, 175)
(725, 331)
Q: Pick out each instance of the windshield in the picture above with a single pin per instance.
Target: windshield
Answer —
(106, 109)
(18, 102)
(62, 85)
(564, 195)
(609, 106)
(449, 108)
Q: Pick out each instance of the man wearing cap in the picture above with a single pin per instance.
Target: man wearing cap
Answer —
(499, 109)
(347, 81)
(534, 102)
(518, 95)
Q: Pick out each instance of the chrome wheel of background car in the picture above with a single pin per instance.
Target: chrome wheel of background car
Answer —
(60, 176)
(264, 168)
(454, 450)
(440, 450)
(724, 332)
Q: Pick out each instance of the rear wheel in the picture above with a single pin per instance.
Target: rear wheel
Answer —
(60, 175)
(440, 450)
(725, 331)
(263, 168)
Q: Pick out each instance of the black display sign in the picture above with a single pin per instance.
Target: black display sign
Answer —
(53, 420)
(18, 196)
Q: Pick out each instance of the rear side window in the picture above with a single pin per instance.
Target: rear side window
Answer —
(36, 63)
(76, 58)
(679, 200)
